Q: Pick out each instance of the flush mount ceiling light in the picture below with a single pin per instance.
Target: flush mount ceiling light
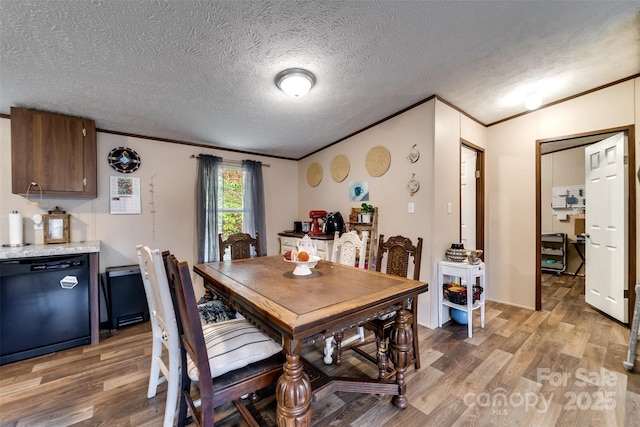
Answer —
(295, 82)
(533, 101)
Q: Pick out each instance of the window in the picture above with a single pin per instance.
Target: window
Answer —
(230, 201)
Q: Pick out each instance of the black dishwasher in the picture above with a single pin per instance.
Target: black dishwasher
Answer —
(44, 305)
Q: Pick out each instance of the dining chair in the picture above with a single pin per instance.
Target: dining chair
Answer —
(228, 359)
(348, 249)
(395, 254)
(164, 329)
(241, 245)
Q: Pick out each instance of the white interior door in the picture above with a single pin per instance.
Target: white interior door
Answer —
(606, 226)
(468, 197)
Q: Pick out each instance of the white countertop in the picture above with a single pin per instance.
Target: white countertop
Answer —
(29, 251)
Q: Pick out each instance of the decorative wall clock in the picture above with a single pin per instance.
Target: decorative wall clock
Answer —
(124, 160)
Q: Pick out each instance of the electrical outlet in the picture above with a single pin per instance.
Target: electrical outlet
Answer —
(411, 208)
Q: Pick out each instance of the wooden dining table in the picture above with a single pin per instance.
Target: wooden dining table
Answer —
(299, 310)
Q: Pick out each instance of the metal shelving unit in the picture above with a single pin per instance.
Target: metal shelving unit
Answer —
(554, 252)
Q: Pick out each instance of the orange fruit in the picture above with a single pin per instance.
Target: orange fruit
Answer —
(303, 256)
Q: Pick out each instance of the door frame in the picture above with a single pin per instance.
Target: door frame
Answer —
(479, 194)
(631, 229)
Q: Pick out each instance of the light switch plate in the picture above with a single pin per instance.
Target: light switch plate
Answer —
(411, 208)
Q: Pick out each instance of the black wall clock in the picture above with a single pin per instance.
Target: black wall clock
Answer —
(124, 160)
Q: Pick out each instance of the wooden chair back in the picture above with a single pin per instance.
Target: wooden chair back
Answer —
(241, 245)
(350, 248)
(398, 251)
(193, 342)
(226, 388)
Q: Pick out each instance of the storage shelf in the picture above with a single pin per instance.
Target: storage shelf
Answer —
(468, 274)
(554, 249)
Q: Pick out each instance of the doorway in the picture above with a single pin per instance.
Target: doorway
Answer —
(582, 140)
(471, 196)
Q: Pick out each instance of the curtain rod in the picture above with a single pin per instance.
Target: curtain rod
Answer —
(233, 162)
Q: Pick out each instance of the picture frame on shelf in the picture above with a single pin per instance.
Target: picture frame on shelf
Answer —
(56, 228)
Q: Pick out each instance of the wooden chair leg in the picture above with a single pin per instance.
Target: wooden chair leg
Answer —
(416, 343)
(383, 357)
(338, 352)
(184, 392)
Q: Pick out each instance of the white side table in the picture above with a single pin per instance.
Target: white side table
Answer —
(468, 273)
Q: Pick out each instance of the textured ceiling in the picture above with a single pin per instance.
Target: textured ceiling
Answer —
(203, 71)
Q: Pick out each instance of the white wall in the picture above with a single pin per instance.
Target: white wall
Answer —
(436, 130)
(389, 191)
(173, 174)
(511, 187)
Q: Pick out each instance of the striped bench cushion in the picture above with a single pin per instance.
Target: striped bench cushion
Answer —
(233, 344)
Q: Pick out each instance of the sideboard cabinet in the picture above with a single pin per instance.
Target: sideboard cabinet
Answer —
(52, 153)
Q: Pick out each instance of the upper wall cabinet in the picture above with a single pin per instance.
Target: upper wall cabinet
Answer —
(53, 153)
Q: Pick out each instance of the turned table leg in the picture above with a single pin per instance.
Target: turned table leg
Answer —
(401, 353)
(293, 390)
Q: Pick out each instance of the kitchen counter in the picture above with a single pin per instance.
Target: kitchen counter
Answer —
(29, 251)
(91, 247)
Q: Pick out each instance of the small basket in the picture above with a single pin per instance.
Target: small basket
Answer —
(460, 297)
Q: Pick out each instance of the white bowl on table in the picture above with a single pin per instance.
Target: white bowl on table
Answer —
(303, 268)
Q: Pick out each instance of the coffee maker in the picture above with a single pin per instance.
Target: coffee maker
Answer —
(333, 223)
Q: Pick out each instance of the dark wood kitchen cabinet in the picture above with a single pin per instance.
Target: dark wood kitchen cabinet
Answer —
(54, 153)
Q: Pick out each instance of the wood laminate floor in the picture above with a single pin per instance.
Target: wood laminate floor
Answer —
(560, 366)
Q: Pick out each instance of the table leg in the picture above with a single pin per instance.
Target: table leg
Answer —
(293, 390)
(401, 352)
(582, 258)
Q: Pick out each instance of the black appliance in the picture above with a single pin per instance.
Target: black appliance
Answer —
(333, 222)
(44, 305)
(126, 301)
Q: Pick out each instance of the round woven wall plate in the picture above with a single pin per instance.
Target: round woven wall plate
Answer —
(339, 168)
(314, 174)
(378, 161)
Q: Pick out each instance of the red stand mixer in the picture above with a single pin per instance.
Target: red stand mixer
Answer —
(315, 227)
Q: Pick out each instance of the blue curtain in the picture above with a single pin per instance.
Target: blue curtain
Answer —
(207, 207)
(253, 202)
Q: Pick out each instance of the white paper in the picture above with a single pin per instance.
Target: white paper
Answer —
(124, 195)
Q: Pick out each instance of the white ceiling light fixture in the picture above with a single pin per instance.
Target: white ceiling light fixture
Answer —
(295, 82)
(533, 101)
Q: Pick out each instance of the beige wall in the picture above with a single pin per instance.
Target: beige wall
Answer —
(436, 129)
(511, 186)
(173, 225)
